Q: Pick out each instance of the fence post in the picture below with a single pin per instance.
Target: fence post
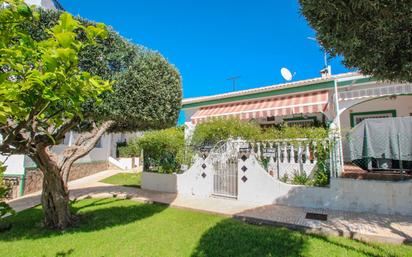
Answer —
(400, 154)
(278, 159)
(332, 153)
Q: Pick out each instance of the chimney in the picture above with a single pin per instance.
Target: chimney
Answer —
(326, 72)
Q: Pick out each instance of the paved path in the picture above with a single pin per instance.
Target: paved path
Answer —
(31, 200)
(362, 226)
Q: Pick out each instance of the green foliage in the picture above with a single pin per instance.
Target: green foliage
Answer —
(322, 172)
(147, 89)
(43, 76)
(147, 96)
(374, 36)
(284, 178)
(163, 150)
(4, 189)
(300, 179)
(293, 132)
(124, 179)
(209, 133)
(132, 150)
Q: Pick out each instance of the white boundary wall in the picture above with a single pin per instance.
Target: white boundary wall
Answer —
(383, 197)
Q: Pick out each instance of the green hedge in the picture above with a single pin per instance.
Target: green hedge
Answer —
(130, 150)
(163, 150)
(209, 133)
(285, 132)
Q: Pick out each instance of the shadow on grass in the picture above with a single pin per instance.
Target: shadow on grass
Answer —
(94, 214)
(357, 246)
(233, 238)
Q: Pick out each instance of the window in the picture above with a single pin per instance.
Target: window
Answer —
(271, 118)
(99, 143)
(66, 140)
(301, 121)
(358, 117)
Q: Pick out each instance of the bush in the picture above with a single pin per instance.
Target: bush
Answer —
(300, 179)
(130, 150)
(4, 207)
(284, 178)
(163, 150)
(211, 132)
(322, 172)
(293, 132)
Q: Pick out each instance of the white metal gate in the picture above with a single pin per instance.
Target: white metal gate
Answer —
(225, 161)
(225, 178)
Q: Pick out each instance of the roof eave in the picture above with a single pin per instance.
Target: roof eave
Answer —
(208, 100)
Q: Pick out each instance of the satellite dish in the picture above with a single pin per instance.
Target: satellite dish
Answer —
(286, 74)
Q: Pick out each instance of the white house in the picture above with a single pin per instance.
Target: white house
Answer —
(46, 4)
(307, 101)
(235, 169)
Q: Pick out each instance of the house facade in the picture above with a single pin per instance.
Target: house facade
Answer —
(46, 4)
(306, 102)
(254, 171)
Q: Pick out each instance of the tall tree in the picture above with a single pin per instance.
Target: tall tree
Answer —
(50, 85)
(372, 35)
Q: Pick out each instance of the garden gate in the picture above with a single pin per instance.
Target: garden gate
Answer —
(225, 161)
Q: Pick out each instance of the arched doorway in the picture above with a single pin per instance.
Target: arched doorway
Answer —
(355, 111)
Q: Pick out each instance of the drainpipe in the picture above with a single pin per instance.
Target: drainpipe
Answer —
(338, 126)
(22, 182)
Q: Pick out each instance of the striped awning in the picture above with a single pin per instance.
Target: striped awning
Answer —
(278, 106)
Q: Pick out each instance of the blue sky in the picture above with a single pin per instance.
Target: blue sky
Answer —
(209, 41)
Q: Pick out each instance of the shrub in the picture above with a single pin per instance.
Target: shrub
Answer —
(130, 150)
(322, 172)
(300, 178)
(209, 133)
(163, 150)
(4, 207)
(293, 132)
(284, 178)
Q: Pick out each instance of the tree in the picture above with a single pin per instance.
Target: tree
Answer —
(374, 36)
(49, 86)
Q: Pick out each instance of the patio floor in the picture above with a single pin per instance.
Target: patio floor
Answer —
(353, 171)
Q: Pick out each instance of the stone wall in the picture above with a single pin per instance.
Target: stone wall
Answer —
(34, 177)
(13, 184)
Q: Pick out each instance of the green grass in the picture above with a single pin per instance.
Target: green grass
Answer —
(124, 179)
(114, 227)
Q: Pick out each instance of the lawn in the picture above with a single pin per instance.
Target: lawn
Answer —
(124, 179)
(115, 227)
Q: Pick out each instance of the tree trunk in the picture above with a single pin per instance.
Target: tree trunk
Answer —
(56, 169)
(55, 202)
(55, 196)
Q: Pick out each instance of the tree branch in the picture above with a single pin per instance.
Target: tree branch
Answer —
(83, 147)
(61, 132)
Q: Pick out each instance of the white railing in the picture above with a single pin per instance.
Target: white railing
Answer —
(397, 89)
(287, 158)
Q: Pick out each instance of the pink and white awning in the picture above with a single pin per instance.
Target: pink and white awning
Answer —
(278, 106)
